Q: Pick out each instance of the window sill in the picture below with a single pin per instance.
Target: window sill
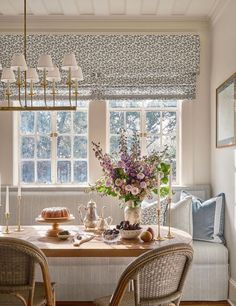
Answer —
(65, 188)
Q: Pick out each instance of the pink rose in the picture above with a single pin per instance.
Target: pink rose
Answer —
(128, 188)
(140, 176)
(143, 185)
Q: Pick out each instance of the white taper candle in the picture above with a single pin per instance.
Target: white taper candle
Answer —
(7, 211)
(159, 191)
(170, 182)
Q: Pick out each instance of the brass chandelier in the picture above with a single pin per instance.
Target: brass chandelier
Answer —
(19, 91)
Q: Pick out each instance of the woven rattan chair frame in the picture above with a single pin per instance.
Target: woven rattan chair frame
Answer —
(34, 256)
(133, 271)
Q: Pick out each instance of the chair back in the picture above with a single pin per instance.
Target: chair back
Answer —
(158, 275)
(18, 259)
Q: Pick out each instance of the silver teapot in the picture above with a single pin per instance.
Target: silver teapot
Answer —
(103, 223)
(91, 216)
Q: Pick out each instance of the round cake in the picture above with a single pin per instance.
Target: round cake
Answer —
(55, 212)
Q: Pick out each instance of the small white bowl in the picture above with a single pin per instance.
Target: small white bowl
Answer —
(130, 234)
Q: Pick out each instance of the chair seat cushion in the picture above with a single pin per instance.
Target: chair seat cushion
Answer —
(39, 297)
(127, 300)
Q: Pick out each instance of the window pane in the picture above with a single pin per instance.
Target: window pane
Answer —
(63, 122)
(116, 122)
(133, 103)
(44, 171)
(153, 144)
(27, 147)
(116, 104)
(80, 147)
(83, 104)
(63, 171)
(43, 122)
(80, 122)
(27, 122)
(44, 147)
(80, 172)
(114, 144)
(153, 120)
(132, 122)
(168, 122)
(27, 171)
(153, 103)
(64, 147)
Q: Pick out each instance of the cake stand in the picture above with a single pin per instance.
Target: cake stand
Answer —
(52, 232)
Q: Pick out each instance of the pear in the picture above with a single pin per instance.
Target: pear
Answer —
(146, 236)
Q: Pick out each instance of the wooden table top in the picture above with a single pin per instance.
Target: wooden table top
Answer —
(53, 247)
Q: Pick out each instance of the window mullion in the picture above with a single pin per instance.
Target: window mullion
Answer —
(54, 148)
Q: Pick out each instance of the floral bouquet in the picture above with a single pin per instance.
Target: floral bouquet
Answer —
(129, 176)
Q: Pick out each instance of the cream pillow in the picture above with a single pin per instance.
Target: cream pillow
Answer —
(181, 215)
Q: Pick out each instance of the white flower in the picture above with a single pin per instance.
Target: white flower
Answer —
(135, 190)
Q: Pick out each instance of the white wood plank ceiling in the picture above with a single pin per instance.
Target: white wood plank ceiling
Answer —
(114, 8)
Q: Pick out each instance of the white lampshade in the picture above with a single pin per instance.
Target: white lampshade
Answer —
(54, 75)
(45, 62)
(69, 62)
(18, 61)
(77, 75)
(8, 75)
(32, 76)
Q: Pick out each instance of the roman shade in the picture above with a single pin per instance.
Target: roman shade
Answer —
(119, 66)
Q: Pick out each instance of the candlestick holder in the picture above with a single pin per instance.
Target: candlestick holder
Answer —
(7, 231)
(169, 234)
(19, 228)
(159, 238)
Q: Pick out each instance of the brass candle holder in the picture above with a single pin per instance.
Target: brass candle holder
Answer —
(7, 231)
(169, 234)
(19, 228)
(159, 238)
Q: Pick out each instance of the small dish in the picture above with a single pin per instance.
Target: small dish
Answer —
(111, 236)
(63, 235)
(130, 234)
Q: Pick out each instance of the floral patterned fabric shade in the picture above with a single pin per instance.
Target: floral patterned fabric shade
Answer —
(119, 66)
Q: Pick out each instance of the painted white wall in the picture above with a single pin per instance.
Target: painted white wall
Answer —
(195, 139)
(223, 160)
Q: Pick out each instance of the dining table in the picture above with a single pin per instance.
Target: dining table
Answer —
(53, 247)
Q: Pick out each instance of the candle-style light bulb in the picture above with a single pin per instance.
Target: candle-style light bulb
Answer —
(7, 209)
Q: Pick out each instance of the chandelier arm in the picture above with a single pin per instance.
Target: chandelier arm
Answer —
(69, 83)
(19, 85)
(25, 49)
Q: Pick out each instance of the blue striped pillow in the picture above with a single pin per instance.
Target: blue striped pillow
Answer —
(208, 218)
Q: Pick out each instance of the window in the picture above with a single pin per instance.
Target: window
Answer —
(54, 147)
(155, 120)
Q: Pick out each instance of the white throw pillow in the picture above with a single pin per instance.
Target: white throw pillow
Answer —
(181, 215)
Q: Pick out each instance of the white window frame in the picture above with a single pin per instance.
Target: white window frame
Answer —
(54, 157)
(142, 111)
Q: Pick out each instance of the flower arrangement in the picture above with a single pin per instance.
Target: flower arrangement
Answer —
(129, 176)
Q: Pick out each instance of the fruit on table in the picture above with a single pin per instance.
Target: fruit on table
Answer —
(146, 236)
(111, 234)
(151, 231)
(125, 225)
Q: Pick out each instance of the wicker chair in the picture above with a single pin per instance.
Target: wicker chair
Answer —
(18, 260)
(158, 277)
